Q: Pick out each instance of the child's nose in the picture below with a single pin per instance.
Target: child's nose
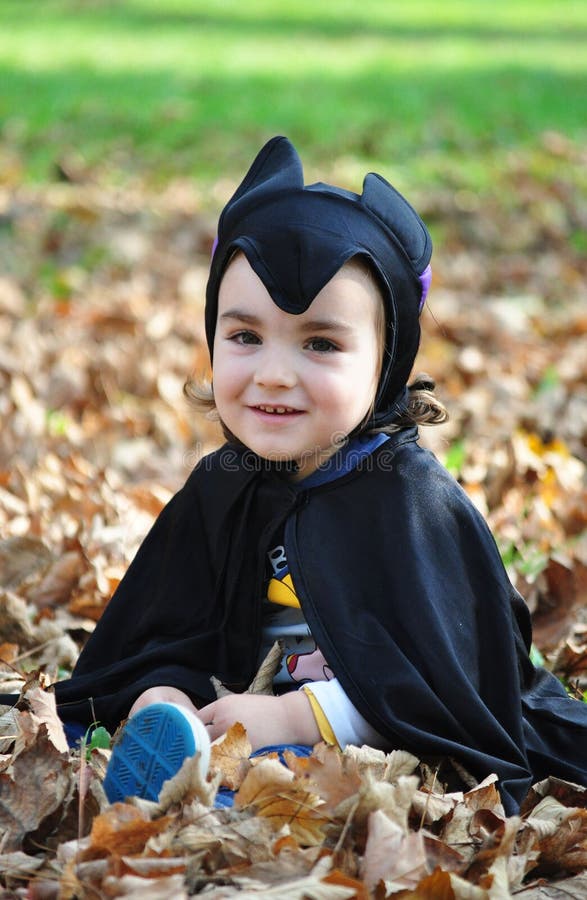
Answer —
(275, 369)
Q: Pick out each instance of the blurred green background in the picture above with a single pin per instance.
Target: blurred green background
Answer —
(425, 91)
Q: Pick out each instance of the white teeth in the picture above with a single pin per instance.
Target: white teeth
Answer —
(276, 409)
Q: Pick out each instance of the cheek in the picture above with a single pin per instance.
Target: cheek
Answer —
(351, 393)
(363, 385)
(221, 383)
(367, 370)
(227, 371)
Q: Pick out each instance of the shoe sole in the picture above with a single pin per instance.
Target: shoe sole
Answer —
(151, 749)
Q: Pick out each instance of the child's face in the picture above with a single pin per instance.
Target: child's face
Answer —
(290, 386)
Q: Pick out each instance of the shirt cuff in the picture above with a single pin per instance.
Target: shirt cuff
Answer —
(326, 732)
(345, 722)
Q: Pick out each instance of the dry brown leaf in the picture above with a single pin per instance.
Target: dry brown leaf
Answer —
(27, 731)
(339, 878)
(384, 766)
(275, 794)
(431, 807)
(22, 561)
(230, 757)
(562, 889)
(550, 813)
(15, 625)
(134, 886)
(149, 497)
(497, 863)
(441, 856)
(122, 830)
(395, 800)
(566, 793)
(262, 683)
(311, 888)
(19, 865)
(44, 707)
(485, 796)
(564, 851)
(456, 832)
(570, 660)
(243, 841)
(464, 890)
(330, 774)
(553, 620)
(58, 581)
(8, 652)
(488, 828)
(9, 730)
(391, 855)
(33, 790)
(188, 784)
(443, 886)
(208, 848)
(155, 867)
(289, 863)
(219, 688)
(87, 606)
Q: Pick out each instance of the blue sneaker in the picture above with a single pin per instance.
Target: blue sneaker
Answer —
(151, 749)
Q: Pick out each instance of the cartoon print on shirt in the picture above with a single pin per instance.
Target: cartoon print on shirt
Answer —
(309, 666)
(303, 660)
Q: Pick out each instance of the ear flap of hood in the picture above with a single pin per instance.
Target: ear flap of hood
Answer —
(297, 237)
(276, 168)
(400, 217)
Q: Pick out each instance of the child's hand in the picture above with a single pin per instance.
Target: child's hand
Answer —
(162, 694)
(268, 720)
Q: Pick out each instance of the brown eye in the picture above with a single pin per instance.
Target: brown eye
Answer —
(321, 345)
(245, 337)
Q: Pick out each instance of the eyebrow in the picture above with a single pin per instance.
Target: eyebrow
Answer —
(312, 325)
(328, 325)
(240, 315)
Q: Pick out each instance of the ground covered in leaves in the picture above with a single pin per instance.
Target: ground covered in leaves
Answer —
(100, 322)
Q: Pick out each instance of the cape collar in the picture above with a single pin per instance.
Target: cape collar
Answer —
(343, 461)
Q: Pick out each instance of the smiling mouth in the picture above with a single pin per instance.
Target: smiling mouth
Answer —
(276, 410)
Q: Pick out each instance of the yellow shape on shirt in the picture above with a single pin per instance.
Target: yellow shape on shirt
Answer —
(282, 592)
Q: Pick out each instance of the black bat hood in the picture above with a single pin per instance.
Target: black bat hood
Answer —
(297, 237)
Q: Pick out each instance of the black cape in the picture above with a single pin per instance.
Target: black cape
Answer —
(403, 588)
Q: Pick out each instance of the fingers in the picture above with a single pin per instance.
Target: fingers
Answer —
(206, 716)
(206, 713)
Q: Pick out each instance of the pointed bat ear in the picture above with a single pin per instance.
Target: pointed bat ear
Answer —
(277, 167)
(401, 218)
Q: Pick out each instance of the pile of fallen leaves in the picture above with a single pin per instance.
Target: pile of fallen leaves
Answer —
(101, 294)
(333, 825)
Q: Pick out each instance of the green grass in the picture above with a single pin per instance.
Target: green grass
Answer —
(420, 90)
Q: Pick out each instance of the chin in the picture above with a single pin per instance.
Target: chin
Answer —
(274, 455)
